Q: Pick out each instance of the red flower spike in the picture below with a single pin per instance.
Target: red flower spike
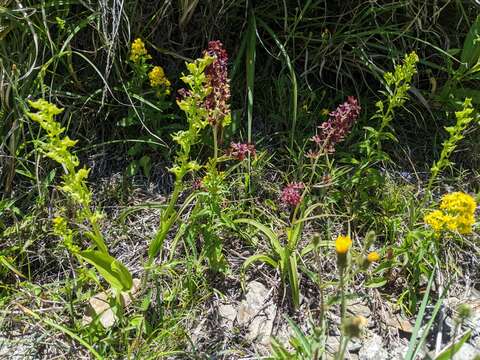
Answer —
(337, 127)
(217, 102)
(291, 194)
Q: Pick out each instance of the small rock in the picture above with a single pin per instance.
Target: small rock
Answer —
(398, 351)
(399, 322)
(356, 307)
(258, 312)
(333, 343)
(373, 349)
(99, 305)
(228, 314)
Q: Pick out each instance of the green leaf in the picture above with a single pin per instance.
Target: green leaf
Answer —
(304, 344)
(280, 352)
(418, 322)
(293, 279)
(415, 345)
(259, 257)
(146, 164)
(250, 66)
(471, 46)
(159, 238)
(452, 349)
(132, 168)
(8, 265)
(376, 283)
(271, 236)
(136, 149)
(114, 272)
(146, 102)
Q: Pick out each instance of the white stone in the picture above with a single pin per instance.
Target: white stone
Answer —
(373, 349)
(257, 312)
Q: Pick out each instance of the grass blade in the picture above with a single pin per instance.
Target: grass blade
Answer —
(250, 60)
(453, 348)
(421, 313)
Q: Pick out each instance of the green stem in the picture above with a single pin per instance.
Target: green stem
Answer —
(307, 186)
(215, 143)
(320, 286)
(342, 294)
(97, 235)
(166, 221)
(342, 347)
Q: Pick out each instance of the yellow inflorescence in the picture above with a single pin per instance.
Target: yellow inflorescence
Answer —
(373, 257)
(157, 77)
(457, 214)
(343, 244)
(436, 219)
(138, 51)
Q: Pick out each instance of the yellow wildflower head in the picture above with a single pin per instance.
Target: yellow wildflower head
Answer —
(458, 203)
(157, 77)
(343, 244)
(435, 219)
(373, 257)
(457, 214)
(138, 51)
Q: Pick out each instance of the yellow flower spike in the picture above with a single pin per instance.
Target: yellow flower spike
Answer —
(373, 257)
(324, 112)
(343, 244)
(157, 77)
(138, 51)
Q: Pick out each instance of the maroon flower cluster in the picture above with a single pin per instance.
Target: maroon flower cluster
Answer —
(217, 102)
(240, 150)
(337, 126)
(291, 194)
